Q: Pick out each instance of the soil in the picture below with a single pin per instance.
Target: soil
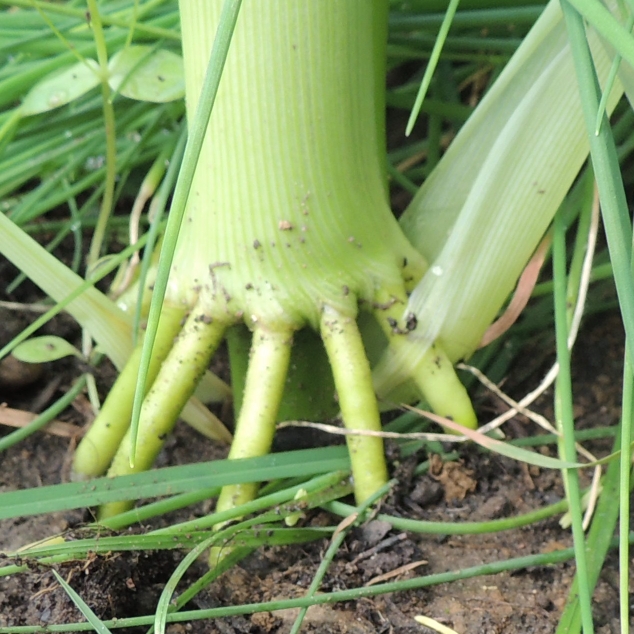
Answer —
(477, 487)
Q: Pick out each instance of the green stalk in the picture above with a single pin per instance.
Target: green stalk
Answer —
(290, 185)
(286, 224)
(625, 464)
(122, 19)
(432, 372)
(353, 380)
(605, 162)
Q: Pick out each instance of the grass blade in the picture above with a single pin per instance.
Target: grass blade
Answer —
(109, 325)
(563, 409)
(495, 567)
(433, 62)
(83, 607)
(605, 161)
(172, 480)
(197, 130)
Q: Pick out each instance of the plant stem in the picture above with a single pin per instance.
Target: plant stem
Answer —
(287, 223)
(359, 410)
(433, 372)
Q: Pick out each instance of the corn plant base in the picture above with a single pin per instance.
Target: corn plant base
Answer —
(288, 226)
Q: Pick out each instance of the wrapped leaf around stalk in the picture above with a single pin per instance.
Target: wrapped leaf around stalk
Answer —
(482, 212)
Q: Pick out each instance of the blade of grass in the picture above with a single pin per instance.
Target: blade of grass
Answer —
(563, 410)
(96, 623)
(467, 19)
(606, 167)
(197, 130)
(433, 62)
(264, 501)
(625, 466)
(107, 199)
(619, 234)
(283, 511)
(236, 534)
(616, 62)
(503, 448)
(172, 480)
(163, 607)
(607, 25)
(107, 323)
(599, 537)
(354, 519)
(121, 20)
(229, 559)
(496, 567)
(457, 528)
(317, 491)
(157, 208)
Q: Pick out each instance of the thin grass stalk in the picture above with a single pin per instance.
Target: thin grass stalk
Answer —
(82, 606)
(497, 567)
(109, 325)
(458, 528)
(335, 543)
(172, 480)
(614, 205)
(625, 463)
(563, 412)
(335, 481)
(197, 128)
(122, 19)
(606, 167)
(433, 62)
(599, 536)
(476, 18)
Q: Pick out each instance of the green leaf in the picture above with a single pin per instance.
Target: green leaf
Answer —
(83, 607)
(43, 349)
(146, 74)
(107, 323)
(495, 185)
(172, 481)
(61, 88)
